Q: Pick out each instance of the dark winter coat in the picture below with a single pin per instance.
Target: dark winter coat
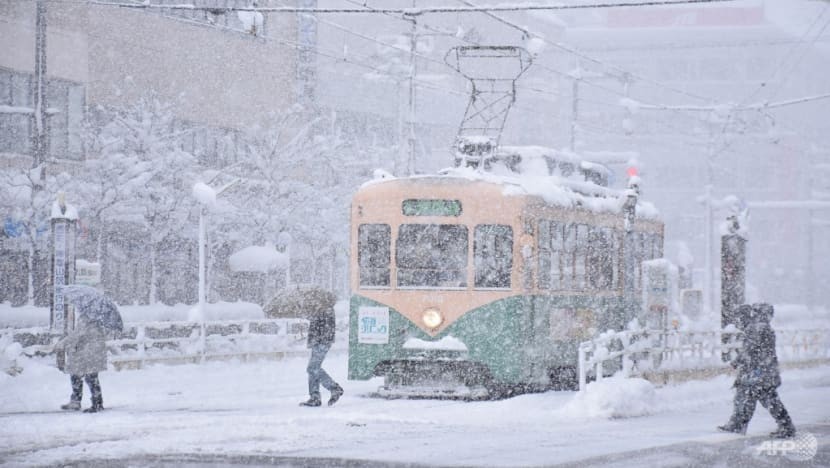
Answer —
(321, 327)
(757, 363)
(85, 349)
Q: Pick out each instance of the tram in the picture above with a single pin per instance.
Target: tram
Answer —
(473, 283)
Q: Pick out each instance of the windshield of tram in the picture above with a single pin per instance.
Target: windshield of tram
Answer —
(432, 255)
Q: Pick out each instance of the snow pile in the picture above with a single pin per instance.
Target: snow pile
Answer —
(9, 354)
(204, 194)
(258, 258)
(535, 45)
(181, 312)
(800, 317)
(66, 212)
(613, 397)
(252, 21)
(24, 316)
(447, 343)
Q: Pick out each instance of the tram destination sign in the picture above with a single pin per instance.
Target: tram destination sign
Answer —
(431, 207)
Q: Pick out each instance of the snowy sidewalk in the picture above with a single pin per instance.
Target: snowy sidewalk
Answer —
(226, 411)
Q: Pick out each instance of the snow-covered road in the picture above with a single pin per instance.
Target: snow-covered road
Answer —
(232, 411)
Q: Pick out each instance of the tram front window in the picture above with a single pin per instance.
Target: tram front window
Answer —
(373, 254)
(432, 255)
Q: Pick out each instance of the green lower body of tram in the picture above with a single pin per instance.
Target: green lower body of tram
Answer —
(510, 347)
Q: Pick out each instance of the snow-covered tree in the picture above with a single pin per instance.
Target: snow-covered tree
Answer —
(140, 171)
(27, 196)
(290, 182)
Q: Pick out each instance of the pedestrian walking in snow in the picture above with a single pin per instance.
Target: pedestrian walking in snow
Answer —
(319, 305)
(82, 353)
(758, 376)
(85, 355)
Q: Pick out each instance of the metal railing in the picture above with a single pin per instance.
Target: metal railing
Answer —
(639, 352)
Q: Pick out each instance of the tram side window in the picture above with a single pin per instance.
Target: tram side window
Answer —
(551, 255)
(639, 239)
(373, 254)
(575, 248)
(601, 258)
(649, 246)
(568, 252)
(617, 248)
(656, 246)
(432, 255)
(493, 255)
(544, 249)
(580, 258)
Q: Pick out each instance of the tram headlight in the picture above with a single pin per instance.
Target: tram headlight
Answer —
(432, 318)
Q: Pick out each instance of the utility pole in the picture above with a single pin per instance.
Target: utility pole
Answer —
(813, 175)
(413, 44)
(574, 111)
(708, 280)
(40, 138)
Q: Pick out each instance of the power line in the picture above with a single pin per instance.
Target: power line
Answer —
(625, 73)
(788, 55)
(332, 54)
(405, 11)
(798, 60)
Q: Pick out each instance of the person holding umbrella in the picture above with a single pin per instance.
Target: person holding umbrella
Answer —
(84, 348)
(319, 307)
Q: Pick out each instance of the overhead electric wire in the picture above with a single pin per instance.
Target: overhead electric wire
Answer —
(586, 57)
(788, 55)
(404, 11)
(428, 85)
(316, 50)
(789, 74)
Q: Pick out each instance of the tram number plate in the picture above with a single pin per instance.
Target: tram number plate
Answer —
(373, 325)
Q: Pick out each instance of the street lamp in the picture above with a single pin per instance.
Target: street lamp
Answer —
(284, 241)
(206, 195)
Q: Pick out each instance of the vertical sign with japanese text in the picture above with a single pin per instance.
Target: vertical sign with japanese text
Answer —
(58, 280)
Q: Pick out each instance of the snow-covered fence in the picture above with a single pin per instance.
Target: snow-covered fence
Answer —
(182, 342)
(186, 342)
(641, 352)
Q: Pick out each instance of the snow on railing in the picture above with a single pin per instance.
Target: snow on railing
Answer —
(182, 342)
(638, 352)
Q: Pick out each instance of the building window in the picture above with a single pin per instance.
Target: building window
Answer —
(65, 101)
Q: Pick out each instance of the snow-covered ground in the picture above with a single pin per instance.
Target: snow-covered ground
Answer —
(236, 411)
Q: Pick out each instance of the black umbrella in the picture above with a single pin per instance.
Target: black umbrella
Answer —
(94, 306)
(300, 302)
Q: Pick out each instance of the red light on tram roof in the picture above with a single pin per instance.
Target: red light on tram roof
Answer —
(632, 171)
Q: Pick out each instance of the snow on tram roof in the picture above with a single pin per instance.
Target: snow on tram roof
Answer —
(553, 189)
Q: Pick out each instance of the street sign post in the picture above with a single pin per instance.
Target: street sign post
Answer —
(64, 218)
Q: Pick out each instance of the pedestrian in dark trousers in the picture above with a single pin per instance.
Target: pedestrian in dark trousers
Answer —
(84, 352)
(320, 307)
(758, 376)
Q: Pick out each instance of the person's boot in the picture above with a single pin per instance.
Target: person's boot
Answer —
(732, 426)
(728, 428)
(784, 431)
(313, 401)
(97, 406)
(335, 395)
(73, 405)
